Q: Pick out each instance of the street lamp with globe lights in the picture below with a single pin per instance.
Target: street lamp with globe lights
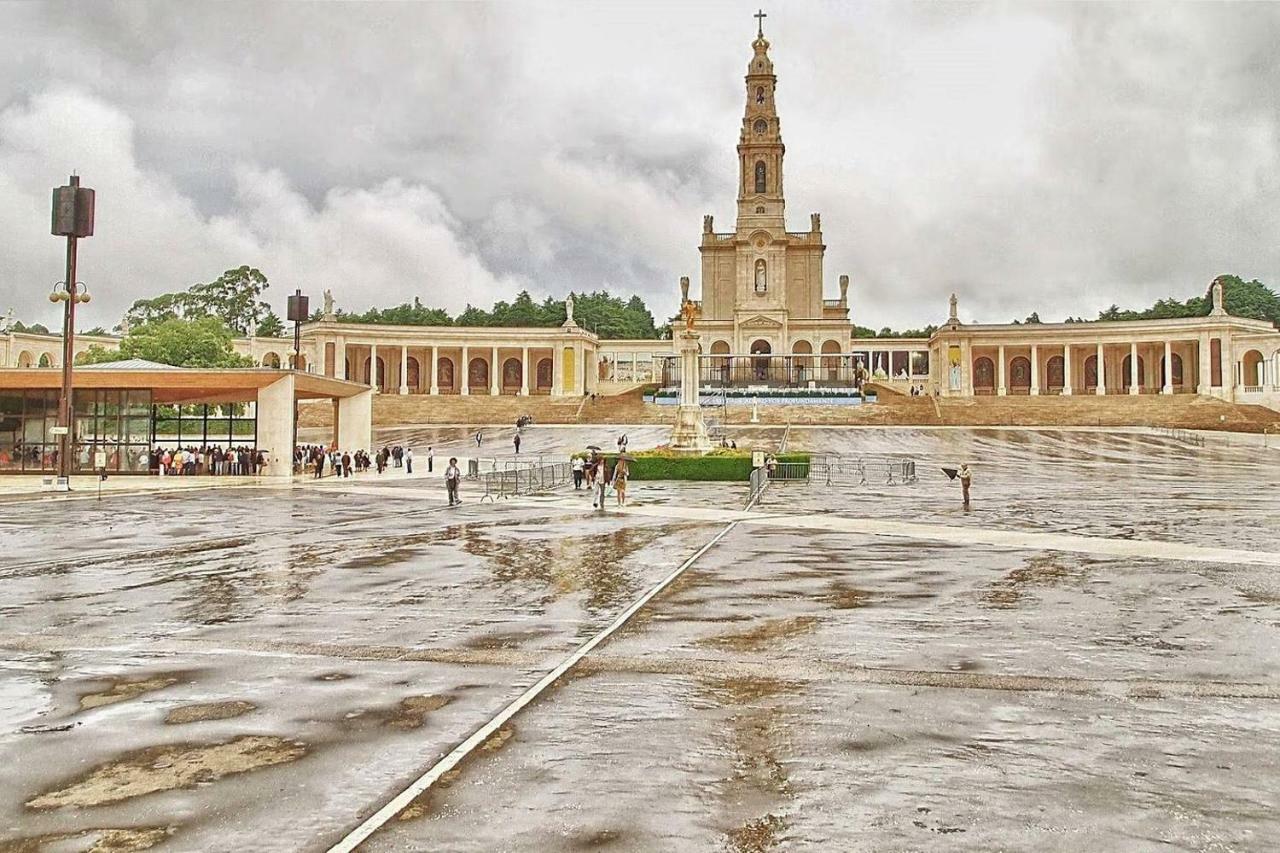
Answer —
(72, 218)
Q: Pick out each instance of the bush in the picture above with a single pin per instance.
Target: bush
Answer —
(716, 466)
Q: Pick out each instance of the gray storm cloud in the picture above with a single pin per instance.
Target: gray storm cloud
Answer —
(1053, 158)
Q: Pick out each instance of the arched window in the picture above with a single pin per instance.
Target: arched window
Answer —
(760, 176)
(478, 374)
(512, 373)
(544, 374)
(444, 374)
(271, 360)
(1091, 372)
(413, 372)
(1251, 365)
(762, 277)
(759, 94)
(984, 374)
(1055, 373)
(45, 360)
(1020, 373)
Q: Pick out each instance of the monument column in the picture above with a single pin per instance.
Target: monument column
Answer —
(465, 372)
(1001, 390)
(495, 381)
(1168, 367)
(1133, 368)
(690, 432)
(404, 369)
(1102, 371)
(1035, 370)
(1066, 370)
(373, 369)
(524, 371)
(435, 371)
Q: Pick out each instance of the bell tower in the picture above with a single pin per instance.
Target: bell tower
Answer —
(760, 148)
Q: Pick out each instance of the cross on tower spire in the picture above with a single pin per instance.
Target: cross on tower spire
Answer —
(760, 16)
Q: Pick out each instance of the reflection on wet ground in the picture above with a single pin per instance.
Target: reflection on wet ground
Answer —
(163, 683)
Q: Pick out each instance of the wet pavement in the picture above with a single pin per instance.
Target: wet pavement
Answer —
(261, 669)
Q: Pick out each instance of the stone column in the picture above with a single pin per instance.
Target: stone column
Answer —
(1228, 370)
(404, 369)
(1133, 368)
(1167, 388)
(1001, 388)
(373, 369)
(690, 433)
(557, 369)
(1066, 370)
(465, 387)
(1102, 371)
(1035, 370)
(1203, 374)
(966, 368)
(435, 371)
(340, 359)
(495, 379)
(524, 371)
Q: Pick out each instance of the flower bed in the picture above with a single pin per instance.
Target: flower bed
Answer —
(718, 465)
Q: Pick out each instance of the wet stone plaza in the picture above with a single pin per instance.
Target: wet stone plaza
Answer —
(1086, 659)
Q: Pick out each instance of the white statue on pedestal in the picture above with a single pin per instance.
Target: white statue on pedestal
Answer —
(568, 311)
(328, 302)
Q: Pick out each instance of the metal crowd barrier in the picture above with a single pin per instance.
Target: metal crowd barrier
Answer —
(863, 471)
(1182, 435)
(513, 481)
(759, 479)
(480, 465)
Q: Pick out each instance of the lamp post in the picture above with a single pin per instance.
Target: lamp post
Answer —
(73, 219)
(298, 305)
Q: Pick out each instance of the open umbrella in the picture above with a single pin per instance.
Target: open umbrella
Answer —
(626, 457)
(951, 472)
(594, 447)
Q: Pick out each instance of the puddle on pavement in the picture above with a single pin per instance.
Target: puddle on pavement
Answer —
(1046, 570)
(125, 689)
(842, 596)
(91, 841)
(757, 836)
(759, 638)
(333, 676)
(166, 768)
(410, 713)
(208, 711)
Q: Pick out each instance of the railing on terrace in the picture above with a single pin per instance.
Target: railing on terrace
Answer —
(524, 481)
(841, 370)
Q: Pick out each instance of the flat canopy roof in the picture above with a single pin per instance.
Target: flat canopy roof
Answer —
(183, 384)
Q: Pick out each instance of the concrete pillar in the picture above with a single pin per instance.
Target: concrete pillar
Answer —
(355, 422)
(435, 371)
(1168, 367)
(1204, 374)
(1133, 368)
(465, 387)
(1228, 375)
(275, 411)
(373, 369)
(1102, 370)
(404, 369)
(557, 370)
(1035, 370)
(524, 371)
(1066, 370)
(966, 368)
(1001, 388)
(340, 359)
(495, 374)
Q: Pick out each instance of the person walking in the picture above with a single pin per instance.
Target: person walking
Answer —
(602, 483)
(319, 460)
(408, 460)
(516, 442)
(966, 480)
(620, 473)
(346, 465)
(479, 437)
(431, 459)
(452, 477)
(577, 466)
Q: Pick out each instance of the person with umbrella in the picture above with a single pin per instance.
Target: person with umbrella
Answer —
(592, 450)
(965, 476)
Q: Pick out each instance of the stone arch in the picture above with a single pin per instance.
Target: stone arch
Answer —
(1055, 372)
(1177, 379)
(802, 348)
(984, 374)
(46, 360)
(1126, 373)
(478, 374)
(762, 173)
(26, 359)
(1251, 371)
(761, 347)
(271, 360)
(413, 373)
(382, 373)
(444, 373)
(545, 373)
(1020, 373)
(1091, 372)
(80, 357)
(512, 374)
(831, 350)
(720, 348)
(302, 361)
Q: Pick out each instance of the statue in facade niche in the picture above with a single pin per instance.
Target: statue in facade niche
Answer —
(707, 224)
(328, 302)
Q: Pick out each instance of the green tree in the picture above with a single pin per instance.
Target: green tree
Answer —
(33, 329)
(271, 326)
(202, 342)
(235, 296)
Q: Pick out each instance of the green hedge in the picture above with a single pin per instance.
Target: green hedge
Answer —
(714, 466)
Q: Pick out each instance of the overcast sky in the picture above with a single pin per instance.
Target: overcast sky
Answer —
(1054, 158)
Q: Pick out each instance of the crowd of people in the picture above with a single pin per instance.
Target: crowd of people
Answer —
(594, 471)
(194, 461)
(319, 461)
